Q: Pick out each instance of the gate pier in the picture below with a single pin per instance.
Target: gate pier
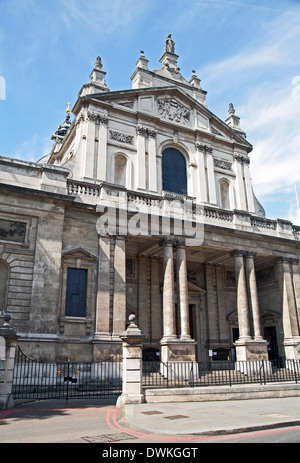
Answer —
(132, 391)
(8, 339)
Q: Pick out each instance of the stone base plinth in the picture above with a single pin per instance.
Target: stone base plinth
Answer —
(251, 350)
(178, 350)
(104, 348)
(292, 348)
(130, 399)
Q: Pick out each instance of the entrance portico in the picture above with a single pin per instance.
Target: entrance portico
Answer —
(205, 286)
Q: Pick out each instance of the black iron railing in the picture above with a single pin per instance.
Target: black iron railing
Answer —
(54, 380)
(193, 374)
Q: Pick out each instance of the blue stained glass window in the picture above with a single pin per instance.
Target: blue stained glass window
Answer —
(174, 177)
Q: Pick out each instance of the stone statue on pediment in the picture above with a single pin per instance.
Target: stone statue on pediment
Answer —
(170, 45)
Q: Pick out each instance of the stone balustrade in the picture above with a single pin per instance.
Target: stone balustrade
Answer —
(179, 206)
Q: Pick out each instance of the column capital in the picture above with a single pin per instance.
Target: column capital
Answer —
(180, 244)
(250, 254)
(238, 253)
(168, 242)
(284, 260)
(204, 148)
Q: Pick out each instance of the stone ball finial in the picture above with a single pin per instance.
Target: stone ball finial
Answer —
(6, 319)
(132, 318)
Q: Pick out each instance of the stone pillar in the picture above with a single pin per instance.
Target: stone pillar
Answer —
(296, 284)
(152, 168)
(182, 290)
(253, 296)
(202, 185)
(289, 310)
(169, 327)
(242, 298)
(8, 338)
(156, 314)
(143, 296)
(244, 344)
(132, 391)
(119, 302)
(258, 350)
(241, 197)
(103, 291)
(102, 150)
(211, 178)
(89, 152)
(248, 186)
(141, 156)
(172, 348)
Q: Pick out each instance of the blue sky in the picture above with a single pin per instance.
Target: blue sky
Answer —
(244, 51)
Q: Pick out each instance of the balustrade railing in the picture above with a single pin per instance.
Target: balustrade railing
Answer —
(193, 374)
(152, 203)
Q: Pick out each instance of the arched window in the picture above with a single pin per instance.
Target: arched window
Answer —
(120, 170)
(4, 273)
(224, 194)
(174, 177)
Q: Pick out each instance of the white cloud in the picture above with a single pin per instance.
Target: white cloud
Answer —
(102, 16)
(264, 76)
(276, 47)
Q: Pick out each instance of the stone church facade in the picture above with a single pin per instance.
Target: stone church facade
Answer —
(145, 206)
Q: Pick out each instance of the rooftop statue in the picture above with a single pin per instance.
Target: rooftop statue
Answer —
(170, 45)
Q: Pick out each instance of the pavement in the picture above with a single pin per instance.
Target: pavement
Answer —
(80, 421)
(217, 417)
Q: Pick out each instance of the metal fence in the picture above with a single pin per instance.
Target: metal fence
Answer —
(193, 374)
(55, 380)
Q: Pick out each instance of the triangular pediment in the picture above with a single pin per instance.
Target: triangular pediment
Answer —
(79, 253)
(195, 288)
(170, 104)
(269, 314)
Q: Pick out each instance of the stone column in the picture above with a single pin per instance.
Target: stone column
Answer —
(141, 154)
(143, 268)
(289, 310)
(89, 151)
(246, 347)
(132, 391)
(152, 168)
(156, 314)
(211, 178)
(182, 291)
(296, 283)
(242, 299)
(258, 350)
(248, 185)
(253, 296)
(202, 185)
(102, 150)
(241, 197)
(103, 291)
(172, 348)
(169, 327)
(119, 302)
